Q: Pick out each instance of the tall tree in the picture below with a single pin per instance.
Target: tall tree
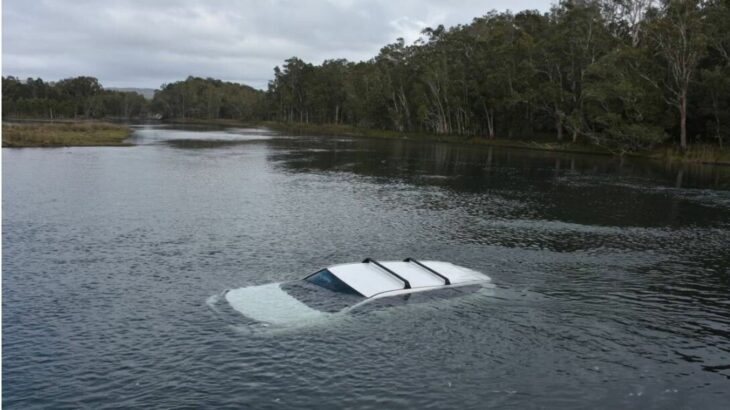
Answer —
(678, 42)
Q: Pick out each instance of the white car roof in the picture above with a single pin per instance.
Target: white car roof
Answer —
(369, 279)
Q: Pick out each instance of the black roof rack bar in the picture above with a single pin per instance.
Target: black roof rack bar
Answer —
(446, 280)
(402, 279)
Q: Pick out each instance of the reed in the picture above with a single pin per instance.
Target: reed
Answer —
(64, 134)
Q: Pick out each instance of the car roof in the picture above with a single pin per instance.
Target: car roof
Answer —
(371, 277)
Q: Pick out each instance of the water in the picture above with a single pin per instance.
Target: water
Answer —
(612, 279)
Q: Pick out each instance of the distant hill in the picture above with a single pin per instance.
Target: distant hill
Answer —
(147, 93)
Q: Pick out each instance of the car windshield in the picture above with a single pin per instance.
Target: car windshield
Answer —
(328, 280)
(323, 291)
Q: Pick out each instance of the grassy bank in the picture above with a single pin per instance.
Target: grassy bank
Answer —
(695, 154)
(64, 134)
(338, 129)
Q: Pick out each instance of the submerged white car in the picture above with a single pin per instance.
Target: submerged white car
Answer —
(345, 287)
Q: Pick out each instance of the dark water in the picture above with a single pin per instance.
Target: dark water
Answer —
(613, 286)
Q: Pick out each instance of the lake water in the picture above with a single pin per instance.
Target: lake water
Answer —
(612, 277)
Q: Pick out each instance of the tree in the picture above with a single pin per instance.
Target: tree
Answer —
(206, 98)
(71, 97)
(678, 42)
(623, 112)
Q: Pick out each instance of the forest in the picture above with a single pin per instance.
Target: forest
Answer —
(78, 97)
(624, 75)
(84, 97)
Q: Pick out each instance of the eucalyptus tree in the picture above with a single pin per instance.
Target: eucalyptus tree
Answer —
(433, 66)
(82, 92)
(394, 62)
(549, 66)
(334, 74)
(206, 98)
(290, 86)
(677, 40)
(624, 18)
(77, 97)
(606, 71)
(623, 113)
(714, 90)
(574, 38)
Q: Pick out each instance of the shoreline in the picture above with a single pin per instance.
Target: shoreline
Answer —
(697, 154)
(336, 129)
(89, 133)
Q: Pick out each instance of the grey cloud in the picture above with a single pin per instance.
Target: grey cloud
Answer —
(147, 43)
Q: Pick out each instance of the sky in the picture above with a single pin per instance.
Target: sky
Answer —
(131, 43)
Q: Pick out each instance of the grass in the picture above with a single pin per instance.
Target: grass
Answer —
(339, 129)
(696, 154)
(64, 134)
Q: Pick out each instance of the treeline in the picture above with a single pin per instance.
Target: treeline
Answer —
(79, 97)
(84, 97)
(624, 74)
(199, 98)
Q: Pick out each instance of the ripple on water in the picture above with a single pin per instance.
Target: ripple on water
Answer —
(612, 283)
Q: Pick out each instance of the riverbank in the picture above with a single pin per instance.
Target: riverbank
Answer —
(339, 129)
(695, 154)
(92, 133)
(64, 134)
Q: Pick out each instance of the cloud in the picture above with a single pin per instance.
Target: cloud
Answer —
(131, 43)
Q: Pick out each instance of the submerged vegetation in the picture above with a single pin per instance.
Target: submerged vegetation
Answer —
(618, 76)
(64, 134)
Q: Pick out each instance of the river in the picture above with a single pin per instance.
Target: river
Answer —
(612, 277)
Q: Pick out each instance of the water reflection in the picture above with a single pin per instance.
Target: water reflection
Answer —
(558, 186)
(377, 157)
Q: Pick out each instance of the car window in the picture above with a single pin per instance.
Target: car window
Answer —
(328, 280)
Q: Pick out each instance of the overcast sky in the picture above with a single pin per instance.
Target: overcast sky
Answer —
(129, 43)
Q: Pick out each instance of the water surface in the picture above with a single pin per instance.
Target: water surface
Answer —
(612, 276)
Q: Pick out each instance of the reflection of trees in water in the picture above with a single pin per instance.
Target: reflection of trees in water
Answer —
(575, 188)
(399, 158)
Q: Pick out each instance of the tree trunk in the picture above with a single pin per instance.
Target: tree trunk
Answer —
(683, 121)
(680, 178)
(715, 113)
(490, 123)
(559, 126)
(490, 120)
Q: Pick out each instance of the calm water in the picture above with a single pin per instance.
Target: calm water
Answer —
(613, 286)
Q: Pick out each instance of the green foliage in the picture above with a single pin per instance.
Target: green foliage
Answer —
(624, 75)
(79, 97)
(676, 40)
(622, 111)
(206, 98)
